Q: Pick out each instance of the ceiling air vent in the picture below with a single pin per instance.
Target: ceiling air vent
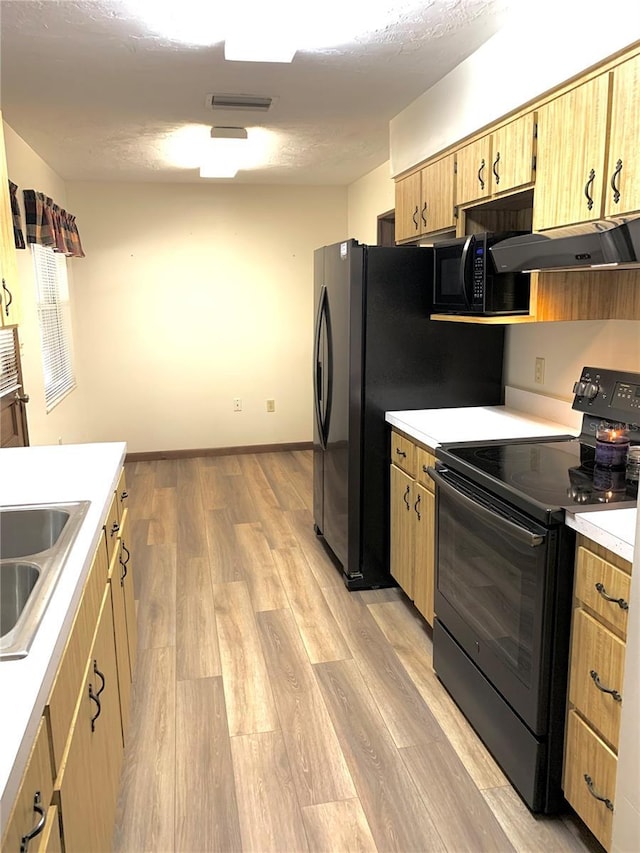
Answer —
(239, 102)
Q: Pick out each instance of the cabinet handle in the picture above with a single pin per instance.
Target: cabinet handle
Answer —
(124, 495)
(614, 184)
(480, 170)
(415, 216)
(622, 604)
(114, 528)
(423, 214)
(425, 469)
(495, 168)
(100, 676)
(415, 508)
(94, 698)
(604, 800)
(405, 498)
(124, 563)
(596, 681)
(401, 453)
(37, 829)
(588, 187)
(8, 302)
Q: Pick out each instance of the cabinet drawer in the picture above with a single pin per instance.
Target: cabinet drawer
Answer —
(112, 527)
(589, 774)
(403, 453)
(36, 782)
(597, 657)
(64, 693)
(598, 581)
(425, 460)
(122, 496)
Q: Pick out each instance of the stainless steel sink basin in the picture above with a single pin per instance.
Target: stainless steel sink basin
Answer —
(30, 531)
(35, 541)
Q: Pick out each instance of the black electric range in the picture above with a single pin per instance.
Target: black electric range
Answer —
(546, 476)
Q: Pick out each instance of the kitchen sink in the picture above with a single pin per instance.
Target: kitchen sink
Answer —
(35, 541)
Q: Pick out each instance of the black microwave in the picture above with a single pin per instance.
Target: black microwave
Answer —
(465, 279)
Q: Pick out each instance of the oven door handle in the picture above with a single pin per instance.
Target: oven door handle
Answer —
(533, 540)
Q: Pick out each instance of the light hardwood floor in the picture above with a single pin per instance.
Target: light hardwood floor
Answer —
(275, 711)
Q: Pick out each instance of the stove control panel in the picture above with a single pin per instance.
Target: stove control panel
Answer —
(612, 395)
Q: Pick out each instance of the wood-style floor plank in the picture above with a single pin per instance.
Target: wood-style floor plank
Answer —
(273, 465)
(247, 689)
(394, 809)
(317, 763)
(464, 820)
(270, 818)
(325, 572)
(163, 519)
(166, 472)
(191, 527)
(206, 807)
(146, 805)
(320, 634)
(212, 486)
(405, 712)
(410, 637)
(340, 827)
(197, 649)
(259, 569)
(157, 606)
(224, 557)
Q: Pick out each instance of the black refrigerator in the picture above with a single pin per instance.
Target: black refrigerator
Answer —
(376, 350)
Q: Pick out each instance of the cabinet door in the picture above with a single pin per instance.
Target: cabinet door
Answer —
(122, 495)
(408, 199)
(512, 159)
(9, 293)
(128, 594)
(33, 798)
(88, 782)
(570, 171)
(424, 512)
(402, 529)
(121, 641)
(437, 208)
(474, 170)
(623, 174)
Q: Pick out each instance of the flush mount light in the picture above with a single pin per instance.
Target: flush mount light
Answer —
(257, 49)
(226, 152)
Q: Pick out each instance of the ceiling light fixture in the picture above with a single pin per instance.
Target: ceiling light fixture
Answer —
(226, 152)
(249, 48)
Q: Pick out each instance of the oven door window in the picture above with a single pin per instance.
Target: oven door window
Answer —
(491, 592)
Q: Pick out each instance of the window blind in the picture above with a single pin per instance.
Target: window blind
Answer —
(55, 323)
(9, 380)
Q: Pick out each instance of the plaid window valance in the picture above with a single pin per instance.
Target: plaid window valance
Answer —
(18, 235)
(50, 225)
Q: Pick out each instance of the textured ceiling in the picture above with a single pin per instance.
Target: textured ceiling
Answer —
(100, 97)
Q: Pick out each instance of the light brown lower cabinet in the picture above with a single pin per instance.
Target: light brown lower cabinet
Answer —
(412, 522)
(596, 669)
(69, 788)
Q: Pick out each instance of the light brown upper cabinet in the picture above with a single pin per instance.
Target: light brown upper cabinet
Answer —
(425, 200)
(497, 163)
(622, 194)
(572, 136)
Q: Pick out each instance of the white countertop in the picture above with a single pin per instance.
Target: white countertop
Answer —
(56, 474)
(614, 529)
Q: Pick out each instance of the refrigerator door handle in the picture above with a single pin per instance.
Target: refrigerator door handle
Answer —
(318, 371)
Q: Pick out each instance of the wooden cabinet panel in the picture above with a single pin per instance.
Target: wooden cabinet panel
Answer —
(474, 170)
(623, 173)
(51, 841)
(424, 461)
(598, 581)
(121, 641)
(437, 200)
(64, 693)
(590, 771)
(424, 551)
(34, 794)
(403, 453)
(9, 290)
(512, 156)
(402, 529)
(122, 496)
(128, 592)
(408, 198)
(112, 527)
(597, 658)
(572, 133)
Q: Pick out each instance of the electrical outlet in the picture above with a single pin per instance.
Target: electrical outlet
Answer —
(539, 371)
(237, 404)
(271, 405)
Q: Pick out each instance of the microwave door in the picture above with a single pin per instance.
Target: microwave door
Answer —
(466, 271)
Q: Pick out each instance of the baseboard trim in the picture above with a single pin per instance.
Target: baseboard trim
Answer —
(151, 455)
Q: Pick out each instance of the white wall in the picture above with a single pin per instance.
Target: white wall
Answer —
(542, 45)
(29, 171)
(368, 198)
(191, 295)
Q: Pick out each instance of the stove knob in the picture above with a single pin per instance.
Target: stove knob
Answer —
(591, 390)
(579, 388)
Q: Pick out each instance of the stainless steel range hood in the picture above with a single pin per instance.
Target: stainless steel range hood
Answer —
(604, 244)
